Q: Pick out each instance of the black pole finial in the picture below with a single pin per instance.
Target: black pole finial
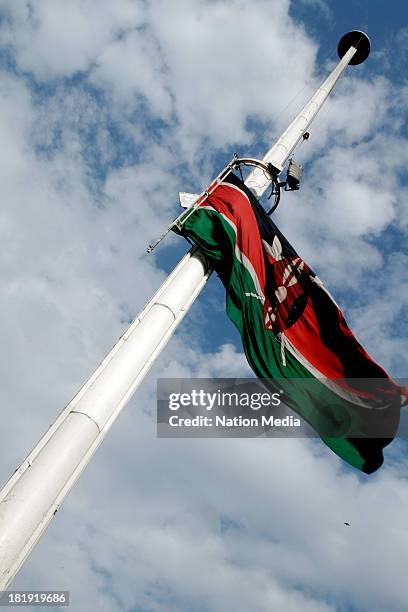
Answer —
(356, 39)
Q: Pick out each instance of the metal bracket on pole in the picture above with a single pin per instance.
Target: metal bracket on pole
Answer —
(269, 170)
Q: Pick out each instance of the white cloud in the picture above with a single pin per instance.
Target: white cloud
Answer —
(55, 38)
(131, 66)
(166, 524)
(196, 54)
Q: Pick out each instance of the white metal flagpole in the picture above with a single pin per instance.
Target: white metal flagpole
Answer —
(33, 494)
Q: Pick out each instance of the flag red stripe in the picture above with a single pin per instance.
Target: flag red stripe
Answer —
(231, 202)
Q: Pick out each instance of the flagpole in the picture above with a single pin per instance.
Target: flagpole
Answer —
(34, 493)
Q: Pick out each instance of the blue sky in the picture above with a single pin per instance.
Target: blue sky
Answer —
(107, 110)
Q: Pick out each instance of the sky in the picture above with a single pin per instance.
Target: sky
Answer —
(107, 110)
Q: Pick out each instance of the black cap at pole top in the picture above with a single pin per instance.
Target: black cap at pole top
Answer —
(356, 39)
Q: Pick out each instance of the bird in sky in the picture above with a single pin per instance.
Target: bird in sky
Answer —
(348, 524)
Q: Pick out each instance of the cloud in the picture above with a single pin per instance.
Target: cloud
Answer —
(54, 39)
(132, 66)
(186, 61)
(110, 109)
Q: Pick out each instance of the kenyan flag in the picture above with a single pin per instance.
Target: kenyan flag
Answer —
(292, 330)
